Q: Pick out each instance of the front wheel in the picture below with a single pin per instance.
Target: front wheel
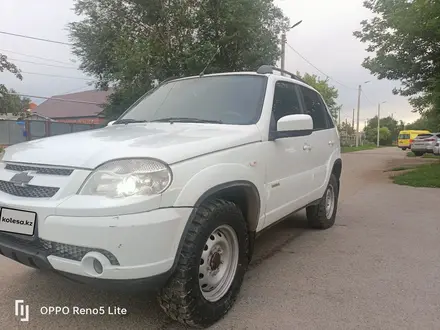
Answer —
(403, 149)
(418, 153)
(211, 266)
(323, 215)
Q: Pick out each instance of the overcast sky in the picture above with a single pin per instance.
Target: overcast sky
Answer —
(324, 38)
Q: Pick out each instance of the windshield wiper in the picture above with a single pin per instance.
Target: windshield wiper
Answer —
(129, 121)
(187, 120)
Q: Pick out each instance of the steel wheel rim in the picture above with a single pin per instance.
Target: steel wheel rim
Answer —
(329, 202)
(218, 263)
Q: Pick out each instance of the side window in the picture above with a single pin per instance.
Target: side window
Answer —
(285, 101)
(315, 107)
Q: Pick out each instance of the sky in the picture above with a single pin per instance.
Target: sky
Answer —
(324, 39)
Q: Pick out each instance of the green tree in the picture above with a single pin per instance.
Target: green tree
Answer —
(347, 128)
(429, 120)
(5, 65)
(11, 103)
(404, 37)
(388, 122)
(329, 93)
(384, 135)
(392, 125)
(130, 43)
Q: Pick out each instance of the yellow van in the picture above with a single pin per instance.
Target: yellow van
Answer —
(406, 138)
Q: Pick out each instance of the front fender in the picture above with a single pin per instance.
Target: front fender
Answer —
(217, 175)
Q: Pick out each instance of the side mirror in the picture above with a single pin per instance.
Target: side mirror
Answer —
(111, 123)
(294, 125)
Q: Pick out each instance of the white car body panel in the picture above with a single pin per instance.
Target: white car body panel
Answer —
(170, 143)
(144, 233)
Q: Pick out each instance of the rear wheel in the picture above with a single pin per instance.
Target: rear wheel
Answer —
(323, 215)
(403, 149)
(210, 268)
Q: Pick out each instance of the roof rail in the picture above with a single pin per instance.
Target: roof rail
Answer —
(268, 69)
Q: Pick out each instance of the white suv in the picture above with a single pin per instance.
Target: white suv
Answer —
(171, 196)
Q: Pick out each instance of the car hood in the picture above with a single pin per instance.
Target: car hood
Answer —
(168, 142)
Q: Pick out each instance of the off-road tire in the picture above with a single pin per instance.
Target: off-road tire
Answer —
(316, 214)
(181, 298)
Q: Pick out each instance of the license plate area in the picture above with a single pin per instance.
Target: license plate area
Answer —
(17, 221)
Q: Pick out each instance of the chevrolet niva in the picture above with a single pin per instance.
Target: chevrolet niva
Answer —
(171, 196)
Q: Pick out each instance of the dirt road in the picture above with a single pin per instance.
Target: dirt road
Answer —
(377, 268)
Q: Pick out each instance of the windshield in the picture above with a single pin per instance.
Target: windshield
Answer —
(229, 99)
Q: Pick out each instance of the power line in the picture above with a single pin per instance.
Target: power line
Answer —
(366, 97)
(37, 57)
(305, 59)
(45, 64)
(57, 76)
(34, 38)
(76, 90)
(55, 98)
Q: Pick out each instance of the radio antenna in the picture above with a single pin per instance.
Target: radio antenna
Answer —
(212, 58)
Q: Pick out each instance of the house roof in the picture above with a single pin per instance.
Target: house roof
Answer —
(54, 108)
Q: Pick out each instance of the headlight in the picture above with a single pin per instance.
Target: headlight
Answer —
(128, 177)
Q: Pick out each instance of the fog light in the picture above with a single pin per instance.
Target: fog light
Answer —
(97, 266)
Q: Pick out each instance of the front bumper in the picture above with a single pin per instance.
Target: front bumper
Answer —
(134, 249)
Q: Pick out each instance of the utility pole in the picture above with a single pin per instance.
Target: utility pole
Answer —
(283, 51)
(283, 46)
(378, 122)
(339, 117)
(358, 110)
(352, 123)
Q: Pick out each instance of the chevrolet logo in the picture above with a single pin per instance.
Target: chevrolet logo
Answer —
(22, 179)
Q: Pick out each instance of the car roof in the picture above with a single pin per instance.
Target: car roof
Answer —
(248, 73)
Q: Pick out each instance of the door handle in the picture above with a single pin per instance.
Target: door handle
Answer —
(331, 143)
(307, 147)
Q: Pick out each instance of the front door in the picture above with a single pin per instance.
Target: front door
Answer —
(324, 139)
(288, 175)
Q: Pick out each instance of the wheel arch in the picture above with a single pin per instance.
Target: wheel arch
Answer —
(241, 192)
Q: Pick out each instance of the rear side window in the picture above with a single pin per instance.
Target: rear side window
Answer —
(315, 107)
(404, 136)
(423, 136)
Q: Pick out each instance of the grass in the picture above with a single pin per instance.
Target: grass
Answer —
(401, 168)
(427, 175)
(430, 156)
(359, 148)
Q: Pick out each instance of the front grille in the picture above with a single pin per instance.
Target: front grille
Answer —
(66, 251)
(27, 191)
(39, 170)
